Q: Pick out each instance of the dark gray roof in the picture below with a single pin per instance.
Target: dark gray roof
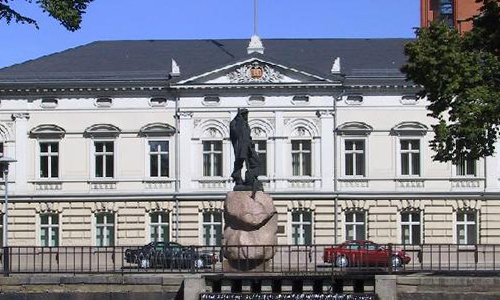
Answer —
(365, 59)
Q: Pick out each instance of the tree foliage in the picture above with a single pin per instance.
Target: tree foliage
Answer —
(68, 12)
(460, 76)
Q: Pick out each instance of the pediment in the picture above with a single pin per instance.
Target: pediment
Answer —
(254, 71)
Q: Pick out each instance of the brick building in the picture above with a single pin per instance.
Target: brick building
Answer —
(457, 13)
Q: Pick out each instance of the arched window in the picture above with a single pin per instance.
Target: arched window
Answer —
(212, 228)
(466, 227)
(49, 230)
(355, 225)
(411, 227)
(159, 226)
(105, 229)
(301, 227)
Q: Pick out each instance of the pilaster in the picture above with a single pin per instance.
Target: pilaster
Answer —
(21, 151)
(186, 166)
(279, 153)
(327, 155)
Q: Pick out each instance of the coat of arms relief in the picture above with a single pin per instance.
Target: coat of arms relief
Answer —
(255, 73)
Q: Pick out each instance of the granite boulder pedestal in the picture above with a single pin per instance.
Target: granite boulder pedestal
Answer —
(250, 232)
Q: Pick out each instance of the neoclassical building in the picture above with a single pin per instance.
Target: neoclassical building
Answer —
(125, 142)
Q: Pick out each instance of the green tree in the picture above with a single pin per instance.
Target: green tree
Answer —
(460, 76)
(68, 12)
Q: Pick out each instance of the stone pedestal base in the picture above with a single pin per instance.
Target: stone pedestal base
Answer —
(251, 230)
(249, 265)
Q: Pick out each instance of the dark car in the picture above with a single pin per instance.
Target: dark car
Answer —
(363, 253)
(169, 255)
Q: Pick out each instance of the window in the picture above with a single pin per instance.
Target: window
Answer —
(49, 160)
(159, 227)
(410, 157)
(301, 227)
(466, 228)
(466, 167)
(354, 99)
(105, 229)
(212, 158)
(355, 158)
(212, 228)
(158, 159)
(2, 151)
(261, 149)
(104, 159)
(49, 230)
(410, 228)
(446, 11)
(355, 226)
(301, 158)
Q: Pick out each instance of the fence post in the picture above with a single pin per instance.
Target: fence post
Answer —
(192, 261)
(6, 262)
(389, 251)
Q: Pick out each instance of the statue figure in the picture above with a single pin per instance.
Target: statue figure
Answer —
(244, 152)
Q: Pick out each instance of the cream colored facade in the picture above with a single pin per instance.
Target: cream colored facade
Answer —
(325, 113)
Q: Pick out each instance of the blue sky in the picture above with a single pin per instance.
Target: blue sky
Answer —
(208, 19)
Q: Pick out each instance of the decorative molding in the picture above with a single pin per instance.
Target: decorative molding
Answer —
(464, 183)
(409, 205)
(354, 205)
(158, 206)
(257, 132)
(255, 45)
(157, 129)
(20, 117)
(47, 131)
(354, 128)
(158, 185)
(97, 207)
(466, 204)
(409, 128)
(185, 114)
(244, 74)
(410, 183)
(211, 206)
(306, 205)
(213, 183)
(301, 183)
(353, 183)
(48, 208)
(48, 186)
(102, 130)
(102, 185)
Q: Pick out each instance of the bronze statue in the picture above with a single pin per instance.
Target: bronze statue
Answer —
(244, 151)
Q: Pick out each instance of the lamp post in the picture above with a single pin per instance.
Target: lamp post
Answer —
(4, 164)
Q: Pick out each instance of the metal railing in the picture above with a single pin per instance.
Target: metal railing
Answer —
(289, 259)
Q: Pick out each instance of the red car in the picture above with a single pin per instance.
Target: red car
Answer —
(363, 252)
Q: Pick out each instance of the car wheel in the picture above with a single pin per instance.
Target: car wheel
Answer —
(341, 261)
(396, 262)
(199, 263)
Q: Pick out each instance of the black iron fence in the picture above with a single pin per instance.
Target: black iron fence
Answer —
(300, 259)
